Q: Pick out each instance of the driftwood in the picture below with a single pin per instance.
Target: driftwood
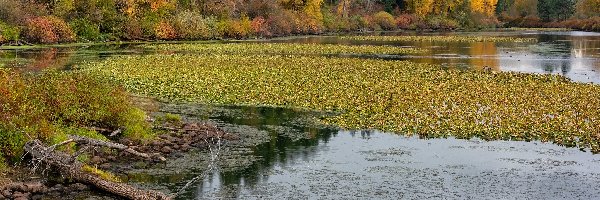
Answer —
(93, 142)
(106, 131)
(73, 169)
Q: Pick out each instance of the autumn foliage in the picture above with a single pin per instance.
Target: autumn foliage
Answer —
(48, 30)
(44, 21)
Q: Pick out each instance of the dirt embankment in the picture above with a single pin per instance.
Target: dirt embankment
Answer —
(23, 182)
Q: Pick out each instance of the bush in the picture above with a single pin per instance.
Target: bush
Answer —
(8, 33)
(40, 30)
(369, 23)
(260, 27)
(482, 20)
(132, 29)
(405, 21)
(85, 29)
(384, 20)
(45, 105)
(62, 29)
(191, 25)
(281, 23)
(237, 28)
(148, 23)
(165, 31)
(48, 30)
(440, 22)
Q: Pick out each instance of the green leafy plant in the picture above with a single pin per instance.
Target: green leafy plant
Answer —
(85, 29)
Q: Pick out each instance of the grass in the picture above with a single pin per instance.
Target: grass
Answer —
(398, 96)
(283, 48)
(102, 174)
(449, 38)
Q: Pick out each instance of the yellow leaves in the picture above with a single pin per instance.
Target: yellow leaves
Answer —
(487, 7)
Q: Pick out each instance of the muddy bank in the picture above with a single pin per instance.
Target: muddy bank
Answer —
(32, 180)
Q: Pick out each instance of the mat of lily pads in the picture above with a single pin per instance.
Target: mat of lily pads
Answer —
(283, 48)
(447, 38)
(398, 96)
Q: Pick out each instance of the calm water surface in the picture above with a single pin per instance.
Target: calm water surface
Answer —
(302, 161)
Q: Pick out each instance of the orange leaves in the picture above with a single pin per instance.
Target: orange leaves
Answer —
(260, 27)
(165, 31)
(48, 30)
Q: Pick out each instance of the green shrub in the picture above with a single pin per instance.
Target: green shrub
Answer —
(385, 20)
(148, 24)
(136, 127)
(50, 105)
(2, 163)
(169, 118)
(9, 33)
(191, 25)
(85, 29)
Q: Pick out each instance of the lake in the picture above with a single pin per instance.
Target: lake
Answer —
(286, 153)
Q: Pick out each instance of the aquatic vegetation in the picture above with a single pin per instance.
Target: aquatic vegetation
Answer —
(538, 29)
(437, 38)
(399, 96)
(282, 48)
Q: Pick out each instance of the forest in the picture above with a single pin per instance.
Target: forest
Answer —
(64, 21)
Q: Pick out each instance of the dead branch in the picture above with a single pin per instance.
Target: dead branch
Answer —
(99, 143)
(74, 170)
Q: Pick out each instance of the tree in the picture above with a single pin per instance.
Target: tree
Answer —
(421, 8)
(555, 10)
(503, 6)
(487, 7)
(587, 8)
(343, 7)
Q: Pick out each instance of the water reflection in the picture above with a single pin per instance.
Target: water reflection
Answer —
(62, 57)
(575, 55)
(367, 164)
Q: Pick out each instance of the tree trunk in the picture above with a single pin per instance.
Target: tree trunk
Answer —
(73, 169)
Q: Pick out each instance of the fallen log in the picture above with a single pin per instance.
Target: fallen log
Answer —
(93, 142)
(73, 169)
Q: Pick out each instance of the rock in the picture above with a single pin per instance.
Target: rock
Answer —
(96, 159)
(37, 197)
(111, 158)
(78, 187)
(16, 187)
(176, 147)
(20, 198)
(155, 143)
(6, 193)
(105, 166)
(58, 188)
(35, 187)
(166, 150)
(190, 127)
(17, 194)
(185, 147)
